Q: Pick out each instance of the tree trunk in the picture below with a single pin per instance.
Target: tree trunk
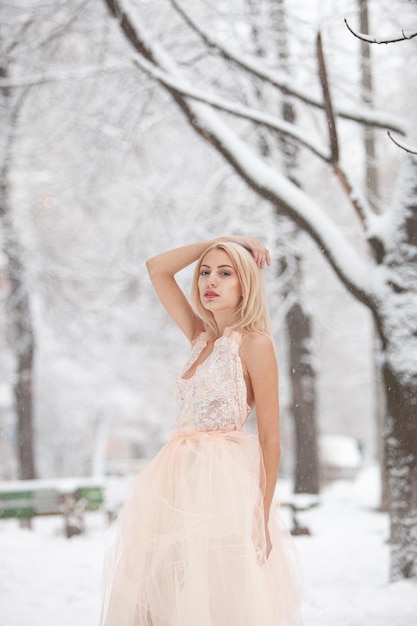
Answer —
(22, 345)
(401, 460)
(303, 401)
(306, 476)
(371, 185)
(24, 349)
(398, 325)
(302, 374)
(17, 303)
(371, 170)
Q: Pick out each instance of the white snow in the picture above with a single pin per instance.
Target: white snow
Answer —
(340, 450)
(47, 580)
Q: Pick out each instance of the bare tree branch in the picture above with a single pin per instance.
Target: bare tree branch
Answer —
(402, 145)
(359, 203)
(328, 106)
(379, 40)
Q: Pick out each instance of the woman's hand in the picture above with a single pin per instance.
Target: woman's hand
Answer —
(264, 547)
(268, 543)
(259, 252)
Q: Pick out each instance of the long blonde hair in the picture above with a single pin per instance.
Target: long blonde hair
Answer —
(252, 313)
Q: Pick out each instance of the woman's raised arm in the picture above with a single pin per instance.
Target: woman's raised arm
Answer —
(162, 269)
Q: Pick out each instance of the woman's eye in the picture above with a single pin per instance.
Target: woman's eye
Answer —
(225, 273)
(203, 273)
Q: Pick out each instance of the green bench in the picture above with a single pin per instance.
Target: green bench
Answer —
(69, 497)
(297, 503)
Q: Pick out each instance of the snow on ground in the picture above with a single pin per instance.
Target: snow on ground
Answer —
(48, 580)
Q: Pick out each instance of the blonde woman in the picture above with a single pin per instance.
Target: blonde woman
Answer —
(197, 541)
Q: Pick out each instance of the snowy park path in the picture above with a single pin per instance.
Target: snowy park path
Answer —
(48, 580)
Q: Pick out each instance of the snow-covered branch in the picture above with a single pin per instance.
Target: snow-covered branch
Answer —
(63, 76)
(358, 273)
(236, 109)
(380, 40)
(357, 200)
(182, 87)
(377, 119)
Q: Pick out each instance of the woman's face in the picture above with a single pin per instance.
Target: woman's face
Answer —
(218, 283)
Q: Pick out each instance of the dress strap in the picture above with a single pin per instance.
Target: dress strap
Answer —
(233, 334)
(201, 338)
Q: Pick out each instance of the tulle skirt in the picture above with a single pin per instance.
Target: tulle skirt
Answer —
(190, 542)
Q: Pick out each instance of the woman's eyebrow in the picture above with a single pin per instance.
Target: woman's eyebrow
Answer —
(218, 267)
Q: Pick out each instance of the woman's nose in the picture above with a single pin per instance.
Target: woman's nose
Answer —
(212, 280)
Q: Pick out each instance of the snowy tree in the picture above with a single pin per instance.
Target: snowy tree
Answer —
(38, 52)
(301, 373)
(385, 283)
(21, 335)
(298, 320)
(87, 206)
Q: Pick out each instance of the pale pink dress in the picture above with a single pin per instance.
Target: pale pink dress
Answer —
(190, 545)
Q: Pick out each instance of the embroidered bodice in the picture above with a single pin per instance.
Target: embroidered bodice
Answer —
(214, 397)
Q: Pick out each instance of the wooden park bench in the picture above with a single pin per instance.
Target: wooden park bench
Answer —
(297, 503)
(69, 497)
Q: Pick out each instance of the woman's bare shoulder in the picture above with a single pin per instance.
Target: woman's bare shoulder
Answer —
(255, 345)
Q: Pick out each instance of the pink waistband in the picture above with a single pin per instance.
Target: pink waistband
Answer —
(190, 432)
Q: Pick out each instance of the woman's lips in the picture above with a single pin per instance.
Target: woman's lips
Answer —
(210, 295)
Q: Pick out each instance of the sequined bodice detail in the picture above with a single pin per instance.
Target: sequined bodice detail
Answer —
(214, 397)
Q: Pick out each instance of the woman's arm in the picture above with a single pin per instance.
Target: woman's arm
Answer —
(163, 267)
(258, 355)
